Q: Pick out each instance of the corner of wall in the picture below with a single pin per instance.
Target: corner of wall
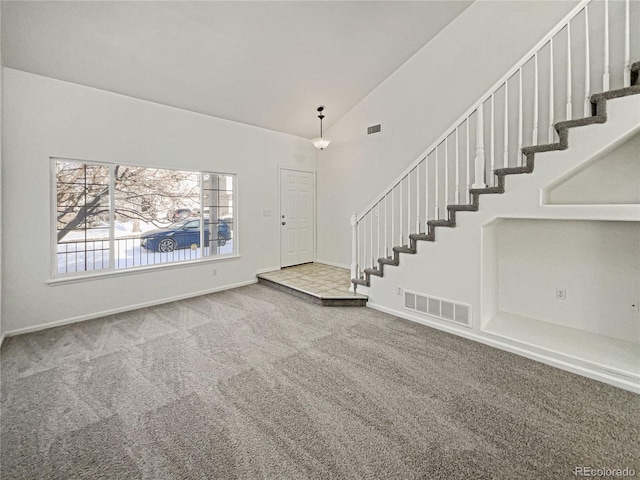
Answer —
(1, 133)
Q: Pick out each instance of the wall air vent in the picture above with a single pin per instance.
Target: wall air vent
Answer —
(410, 301)
(446, 310)
(374, 129)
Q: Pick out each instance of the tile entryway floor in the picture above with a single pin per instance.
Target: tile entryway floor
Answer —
(323, 282)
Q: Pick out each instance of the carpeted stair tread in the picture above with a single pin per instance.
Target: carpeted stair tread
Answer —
(462, 208)
(547, 147)
(404, 249)
(611, 94)
(635, 70)
(389, 261)
(373, 271)
(425, 237)
(599, 115)
(513, 170)
(578, 122)
(360, 281)
(487, 190)
(441, 223)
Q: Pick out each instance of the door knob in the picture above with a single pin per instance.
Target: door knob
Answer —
(284, 223)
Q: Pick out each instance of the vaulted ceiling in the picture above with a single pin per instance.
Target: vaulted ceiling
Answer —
(263, 63)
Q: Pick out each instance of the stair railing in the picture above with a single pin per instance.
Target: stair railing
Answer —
(466, 156)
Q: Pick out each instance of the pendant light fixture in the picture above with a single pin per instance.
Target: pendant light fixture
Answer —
(320, 142)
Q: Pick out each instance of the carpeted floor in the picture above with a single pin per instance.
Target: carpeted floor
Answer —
(253, 383)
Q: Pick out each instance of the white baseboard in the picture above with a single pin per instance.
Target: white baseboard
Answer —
(554, 362)
(104, 313)
(333, 264)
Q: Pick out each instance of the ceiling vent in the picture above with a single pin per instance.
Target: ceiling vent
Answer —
(374, 129)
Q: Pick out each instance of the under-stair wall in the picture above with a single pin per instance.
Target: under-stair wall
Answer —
(465, 265)
(614, 179)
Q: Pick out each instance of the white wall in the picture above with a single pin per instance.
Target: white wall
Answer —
(1, 168)
(46, 117)
(416, 104)
(597, 263)
(615, 178)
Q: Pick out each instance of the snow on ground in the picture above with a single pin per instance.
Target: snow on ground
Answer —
(121, 229)
(77, 255)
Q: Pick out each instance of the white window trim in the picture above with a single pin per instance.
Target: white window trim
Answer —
(83, 277)
(111, 271)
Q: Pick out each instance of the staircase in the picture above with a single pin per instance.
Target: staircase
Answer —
(599, 107)
(410, 209)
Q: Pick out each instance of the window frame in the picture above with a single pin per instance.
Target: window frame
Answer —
(111, 270)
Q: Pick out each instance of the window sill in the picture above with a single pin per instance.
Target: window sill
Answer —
(133, 271)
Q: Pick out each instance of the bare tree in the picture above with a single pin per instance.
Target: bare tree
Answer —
(146, 194)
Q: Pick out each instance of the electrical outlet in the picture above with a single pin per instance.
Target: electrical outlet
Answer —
(215, 272)
(561, 294)
(399, 291)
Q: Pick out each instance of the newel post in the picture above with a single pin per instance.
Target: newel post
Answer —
(354, 245)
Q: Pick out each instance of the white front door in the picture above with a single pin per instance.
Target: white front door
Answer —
(297, 218)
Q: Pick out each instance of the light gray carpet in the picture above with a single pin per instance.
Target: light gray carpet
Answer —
(253, 383)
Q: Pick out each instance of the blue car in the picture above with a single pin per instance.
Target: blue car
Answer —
(182, 234)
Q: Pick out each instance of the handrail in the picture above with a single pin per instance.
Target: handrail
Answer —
(567, 18)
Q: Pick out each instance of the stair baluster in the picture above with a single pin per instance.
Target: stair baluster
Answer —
(457, 192)
(551, 99)
(569, 111)
(378, 250)
(408, 205)
(371, 236)
(364, 242)
(360, 249)
(386, 246)
(393, 214)
(627, 55)
(493, 143)
(468, 165)
(587, 69)
(401, 214)
(520, 119)
(505, 155)
(426, 191)
(534, 140)
(605, 75)
(437, 184)
(446, 174)
(418, 198)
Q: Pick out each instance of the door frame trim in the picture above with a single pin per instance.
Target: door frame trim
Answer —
(315, 209)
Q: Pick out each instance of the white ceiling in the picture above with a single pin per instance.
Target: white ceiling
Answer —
(268, 64)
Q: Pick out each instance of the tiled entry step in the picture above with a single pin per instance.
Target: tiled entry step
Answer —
(322, 284)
